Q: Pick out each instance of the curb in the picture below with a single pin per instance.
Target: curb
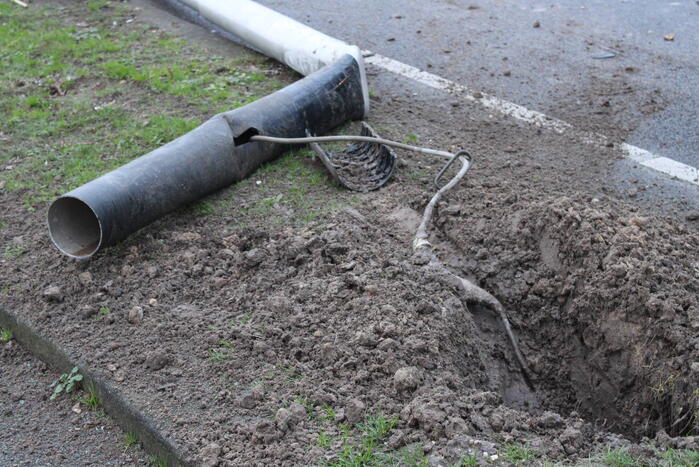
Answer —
(126, 416)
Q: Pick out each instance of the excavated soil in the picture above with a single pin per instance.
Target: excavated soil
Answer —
(606, 303)
(261, 333)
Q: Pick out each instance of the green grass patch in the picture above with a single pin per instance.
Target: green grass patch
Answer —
(292, 190)
(131, 441)
(5, 335)
(518, 454)
(367, 451)
(83, 92)
(91, 399)
(13, 250)
(679, 457)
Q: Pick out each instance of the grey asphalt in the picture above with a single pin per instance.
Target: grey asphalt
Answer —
(551, 67)
(646, 95)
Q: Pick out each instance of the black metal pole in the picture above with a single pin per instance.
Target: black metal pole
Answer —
(208, 158)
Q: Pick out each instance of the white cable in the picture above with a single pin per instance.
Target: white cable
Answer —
(367, 139)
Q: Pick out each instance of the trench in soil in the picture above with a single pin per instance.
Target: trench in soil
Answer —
(579, 387)
(601, 385)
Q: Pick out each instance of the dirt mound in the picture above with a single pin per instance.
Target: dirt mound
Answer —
(603, 299)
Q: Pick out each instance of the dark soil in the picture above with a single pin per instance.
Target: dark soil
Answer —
(263, 331)
(35, 430)
(606, 303)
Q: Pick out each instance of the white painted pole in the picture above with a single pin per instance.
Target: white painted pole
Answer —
(300, 47)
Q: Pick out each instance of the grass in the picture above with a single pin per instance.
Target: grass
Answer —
(291, 373)
(328, 413)
(678, 457)
(367, 451)
(91, 400)
(217, 355)
(130, 441)
(5, 335)
(310, 408)
(323, 440)
(411, 138)
(154, 461)
(221, 353)
(292, 190)
(467, 460)
(13, 250)
(78, 101)
(619, 458)
(518, 454)
(243, 320)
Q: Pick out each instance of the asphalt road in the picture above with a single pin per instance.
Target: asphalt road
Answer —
(541, 55)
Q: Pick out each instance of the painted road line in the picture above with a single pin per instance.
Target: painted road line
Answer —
(672, 167)
(488, 101)
(645, 158)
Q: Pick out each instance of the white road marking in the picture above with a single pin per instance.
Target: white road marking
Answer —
(645, 158)
(672, 167)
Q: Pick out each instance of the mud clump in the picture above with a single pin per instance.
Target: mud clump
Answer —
(259, 344)
(605, 305)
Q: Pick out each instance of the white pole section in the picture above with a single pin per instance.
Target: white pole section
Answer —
(300, 47)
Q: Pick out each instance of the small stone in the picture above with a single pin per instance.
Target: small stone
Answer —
(187, 236)
(455, 426)
(572, 440)
(158, 360)
(536, 24)
(452, 210)
(694, 367)
(283, 419)
(550, 420)
(298, 412)
(87, 312)
(354, 411)
(153, 302)
(53, 293)
(135, 315)
(387, 344)
(692, 216)
(420, 258)
(264, 431)
(507, 73)
(210, 455)
(426, 308)
(281, 305)
(662, 439)
(355, 214)
(407, 378)
(85, 278)
(152, 271)
(367, 339)
(254, 257)
(111, 367)
(250, 399)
